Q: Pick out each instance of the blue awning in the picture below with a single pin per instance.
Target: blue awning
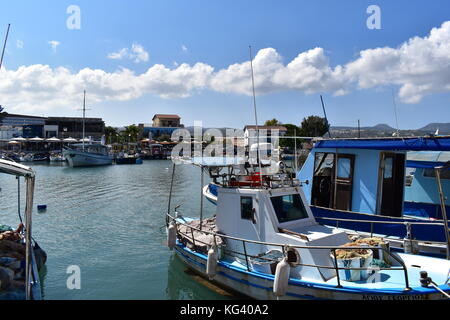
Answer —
(395, 144)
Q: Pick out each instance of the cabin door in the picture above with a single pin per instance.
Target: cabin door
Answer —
(391, 184)
(322, 189)
(344, 182)
(331, 188)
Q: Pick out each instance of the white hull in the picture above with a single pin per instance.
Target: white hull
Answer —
(77, 158)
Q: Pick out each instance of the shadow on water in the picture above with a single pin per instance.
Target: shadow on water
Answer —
(185, 284)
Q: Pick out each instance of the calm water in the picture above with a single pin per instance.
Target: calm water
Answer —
(109, 221)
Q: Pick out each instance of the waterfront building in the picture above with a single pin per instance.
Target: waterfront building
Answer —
(73, 127)
(162, 124)
(17, 125)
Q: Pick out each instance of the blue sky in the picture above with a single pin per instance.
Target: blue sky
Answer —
(217, 34)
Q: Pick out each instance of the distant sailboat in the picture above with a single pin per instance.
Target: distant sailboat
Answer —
(84, 155)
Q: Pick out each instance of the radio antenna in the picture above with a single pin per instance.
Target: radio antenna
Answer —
(325, 114)
(395, 113)
(4, 45)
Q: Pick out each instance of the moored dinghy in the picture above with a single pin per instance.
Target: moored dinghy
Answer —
(265, 243)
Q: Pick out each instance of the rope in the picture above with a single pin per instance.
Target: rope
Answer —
(434, 285)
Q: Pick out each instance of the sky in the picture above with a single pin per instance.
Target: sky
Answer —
(137, 58)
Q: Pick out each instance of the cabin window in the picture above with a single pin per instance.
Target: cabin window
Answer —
(247, 208)
(344, 168)
(430, 173)
(289, 208)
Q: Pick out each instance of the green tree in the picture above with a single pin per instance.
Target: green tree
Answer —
(314, 126)
(132, 133)
(163, 137)
(110, 134)
(273, 122)
(292, 131)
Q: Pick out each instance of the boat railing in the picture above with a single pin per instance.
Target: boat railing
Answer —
(285, 248)
(372, 222)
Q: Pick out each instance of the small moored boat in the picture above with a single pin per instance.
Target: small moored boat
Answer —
(265, 243)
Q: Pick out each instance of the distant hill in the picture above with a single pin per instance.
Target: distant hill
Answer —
(384, 130)
(378, 127)
(444, 128)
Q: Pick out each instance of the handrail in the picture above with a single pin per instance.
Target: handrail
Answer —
(383, 222)
(406, 224)
(333, 248)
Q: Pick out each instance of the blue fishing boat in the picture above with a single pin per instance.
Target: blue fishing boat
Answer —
(359, 184)
(264, 242)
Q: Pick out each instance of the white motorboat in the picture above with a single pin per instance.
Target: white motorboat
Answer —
(265, 243)
(84, 155)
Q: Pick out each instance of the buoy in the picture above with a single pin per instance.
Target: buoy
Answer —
(281, 278)
(211, 264)
(171, 235)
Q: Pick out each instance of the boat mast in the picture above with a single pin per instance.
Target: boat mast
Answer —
(256, 116)
(325, 114)
(84, 114)
(4, 45)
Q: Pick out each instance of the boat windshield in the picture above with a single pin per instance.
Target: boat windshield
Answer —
(289, 208)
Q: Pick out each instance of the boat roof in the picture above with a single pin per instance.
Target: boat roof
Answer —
(14, 168)
(395, 144)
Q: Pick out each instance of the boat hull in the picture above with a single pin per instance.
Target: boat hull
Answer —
(260, 286)
(85, 159)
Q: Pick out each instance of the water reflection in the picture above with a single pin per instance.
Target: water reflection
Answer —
(184, 284)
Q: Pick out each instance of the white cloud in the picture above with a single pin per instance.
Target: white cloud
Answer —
(419, 67)
(184, 48)
(19, 44)
(136, 53)
(54, 44)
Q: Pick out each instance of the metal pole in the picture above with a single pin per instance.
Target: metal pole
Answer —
(170, 193)
(28, 223)
(201, 196)
(84, 114)
(4, 45)
(444, 212)
(18, 199)
(256, 117)
(325, 114)
(295, 151)
(359, 129)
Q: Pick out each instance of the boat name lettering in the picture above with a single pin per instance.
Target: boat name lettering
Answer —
(394, 297)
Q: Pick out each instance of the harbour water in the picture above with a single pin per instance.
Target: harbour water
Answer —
(109, 221)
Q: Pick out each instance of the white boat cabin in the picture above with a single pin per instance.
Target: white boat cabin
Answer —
(277, 216)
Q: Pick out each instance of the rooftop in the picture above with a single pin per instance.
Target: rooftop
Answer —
(166, 116)
(253, 127)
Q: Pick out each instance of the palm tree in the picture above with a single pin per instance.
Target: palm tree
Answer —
(133, 132)
(110, 133)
